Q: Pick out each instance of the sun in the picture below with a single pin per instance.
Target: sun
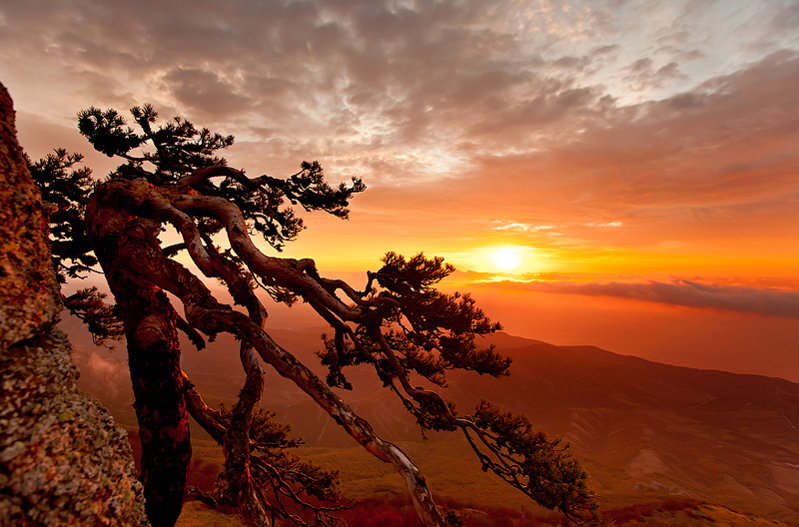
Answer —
(507, 259)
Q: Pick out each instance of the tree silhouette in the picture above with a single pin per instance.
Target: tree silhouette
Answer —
(65, 191)
(398, 323)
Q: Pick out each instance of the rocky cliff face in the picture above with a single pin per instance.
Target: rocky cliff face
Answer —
(63, 460)
(29, 298)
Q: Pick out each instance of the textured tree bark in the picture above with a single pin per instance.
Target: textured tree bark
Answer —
(154, 359)
(237, 444)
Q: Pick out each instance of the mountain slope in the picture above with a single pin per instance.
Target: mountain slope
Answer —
(648, 428)
(644, 430)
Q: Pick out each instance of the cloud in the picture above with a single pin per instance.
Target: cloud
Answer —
(520, 109)
(684, 293)
(408, 72)
(521, 227)
(101, 375)
(787, 18)
(714, 161)
(205, 93)
(608, 224)
(340, 80)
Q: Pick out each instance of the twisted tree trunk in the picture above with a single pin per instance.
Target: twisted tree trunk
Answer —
(154, 360)
(111, 216)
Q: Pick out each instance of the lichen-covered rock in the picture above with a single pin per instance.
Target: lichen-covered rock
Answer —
(29, 296)
(63, 459)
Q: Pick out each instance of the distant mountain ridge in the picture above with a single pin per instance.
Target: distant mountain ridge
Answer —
(642, 429)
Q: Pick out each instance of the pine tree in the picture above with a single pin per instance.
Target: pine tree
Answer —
(398, 323)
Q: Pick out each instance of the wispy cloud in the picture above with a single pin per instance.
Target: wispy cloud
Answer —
(608, 224)
(684, 293)
(642, 74)
(520, 227)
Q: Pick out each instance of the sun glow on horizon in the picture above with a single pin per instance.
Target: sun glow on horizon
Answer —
(507, 259)
(500, 260)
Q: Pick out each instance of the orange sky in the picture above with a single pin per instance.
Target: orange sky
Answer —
(632, 167)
